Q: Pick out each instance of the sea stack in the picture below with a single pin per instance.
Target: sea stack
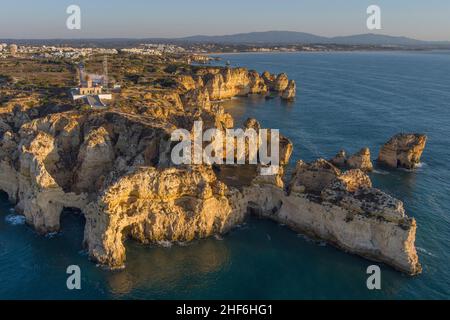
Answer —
(290, 92)
(403, 150)
(361, 160)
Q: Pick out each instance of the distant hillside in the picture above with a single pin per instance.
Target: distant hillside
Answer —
(252, 38)
(291, 37)
(376, 39)
(260, 37)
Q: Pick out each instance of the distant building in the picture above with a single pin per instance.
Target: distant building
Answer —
(13, 49)
(91, 89)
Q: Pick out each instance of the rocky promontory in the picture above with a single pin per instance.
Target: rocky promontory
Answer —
(115, 166)
(225, 83)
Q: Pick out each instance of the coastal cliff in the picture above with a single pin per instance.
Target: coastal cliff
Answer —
(115, 166)
(226, 83)
(345, 211)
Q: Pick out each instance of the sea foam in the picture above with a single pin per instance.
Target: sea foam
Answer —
(15, 219)
(165, 244)
(382, 172)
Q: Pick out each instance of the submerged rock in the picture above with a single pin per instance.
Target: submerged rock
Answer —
(340, 159)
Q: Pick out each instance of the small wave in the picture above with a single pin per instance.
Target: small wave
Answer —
(83, 252)
(421, 165)
(165, 244)
(51, 235)
(382, 172)
(425, 251)
(12, 210)
(306, 238)
(15, 219)
(320, 243)
(242, 226)
(105, 267)
(218, 237)
(418, 166)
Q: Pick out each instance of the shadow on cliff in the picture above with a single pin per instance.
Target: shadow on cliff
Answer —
(72, 228)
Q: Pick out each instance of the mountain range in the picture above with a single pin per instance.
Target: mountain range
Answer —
(251, 38)
(292, 37)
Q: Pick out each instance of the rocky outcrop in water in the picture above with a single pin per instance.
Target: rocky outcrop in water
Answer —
(403, 151)
(344, 210)
(340, 159)
(153, 205)
(360, 160)
(290, 92)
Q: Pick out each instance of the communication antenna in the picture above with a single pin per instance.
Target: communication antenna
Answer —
(81, 72)
(105, 72)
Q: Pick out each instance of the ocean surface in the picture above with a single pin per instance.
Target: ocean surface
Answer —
(344, 100)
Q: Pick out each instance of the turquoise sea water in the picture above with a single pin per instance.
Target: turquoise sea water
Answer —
(345, 100)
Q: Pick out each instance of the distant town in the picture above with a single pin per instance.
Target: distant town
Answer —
(76, 49)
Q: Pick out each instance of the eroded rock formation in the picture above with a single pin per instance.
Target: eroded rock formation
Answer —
(152, 205)
(290, 92)
(226, 83)
(360, 160)
(403, 151)
(346, 212)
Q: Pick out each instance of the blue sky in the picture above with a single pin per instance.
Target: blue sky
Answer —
(428, 20)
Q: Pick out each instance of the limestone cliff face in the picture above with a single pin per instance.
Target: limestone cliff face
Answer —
(257, 84)
(39, 196)
(403, 151)
(347, 213)
(54, 166)
(197, 98)
(96, 159)
(152, 205)
(226, 83)
(281, 83)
